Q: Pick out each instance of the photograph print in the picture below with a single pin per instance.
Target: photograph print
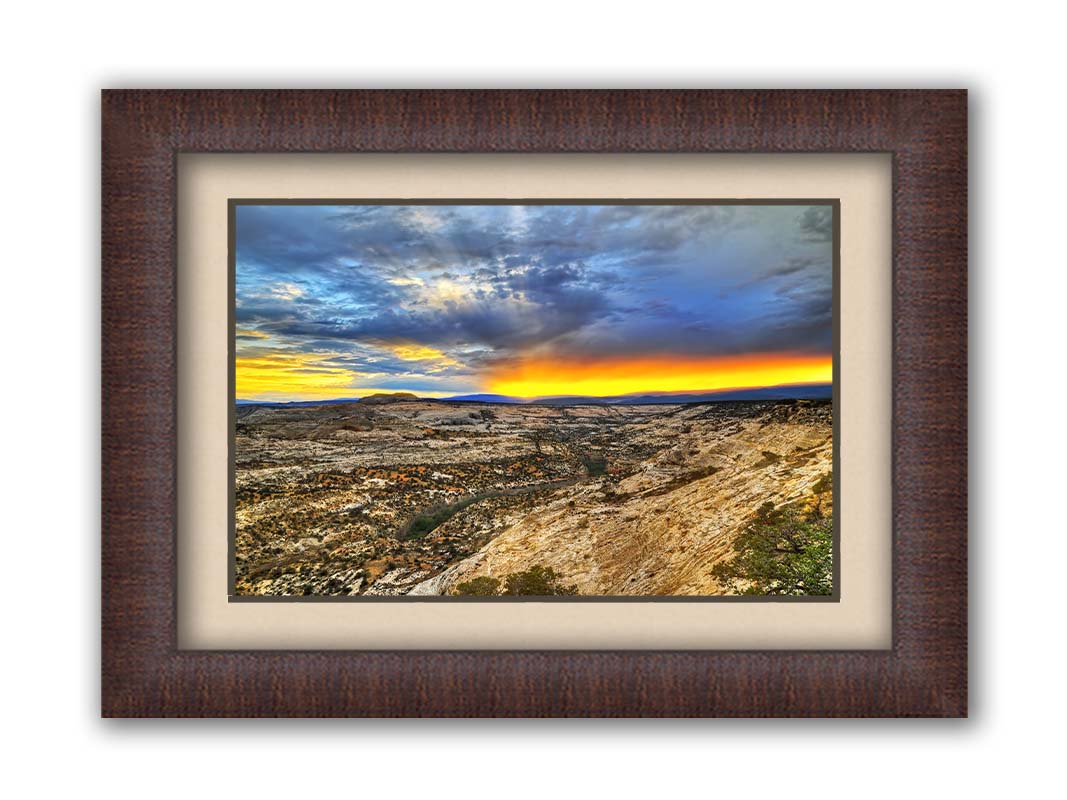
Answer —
(507, 400)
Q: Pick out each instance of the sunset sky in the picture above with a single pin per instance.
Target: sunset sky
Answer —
(530, 301)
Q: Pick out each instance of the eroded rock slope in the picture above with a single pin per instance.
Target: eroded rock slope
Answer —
(661, 529)
(416, 496)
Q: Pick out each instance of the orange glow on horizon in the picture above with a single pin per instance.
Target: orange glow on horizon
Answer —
(547, 376)
(285, 375)
(303, 376)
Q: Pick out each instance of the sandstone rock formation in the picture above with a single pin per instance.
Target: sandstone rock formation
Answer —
(661, 530)
(415, 496)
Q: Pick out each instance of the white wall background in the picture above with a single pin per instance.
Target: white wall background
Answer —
(55, 60)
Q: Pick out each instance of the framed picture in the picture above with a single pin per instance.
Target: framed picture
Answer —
(513, 403)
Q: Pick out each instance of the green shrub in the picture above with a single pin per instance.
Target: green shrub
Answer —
(824, 484)
(430, 520)
(479, 587)
(538, 581)
(595, 464)
(782, 552)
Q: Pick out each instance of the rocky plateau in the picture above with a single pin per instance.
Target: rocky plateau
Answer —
(404, 496)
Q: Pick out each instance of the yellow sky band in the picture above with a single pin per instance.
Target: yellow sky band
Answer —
(312, 376)
(605, 377)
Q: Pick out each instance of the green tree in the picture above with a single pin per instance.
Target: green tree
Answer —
(539, 580)
(783, 551)
(479, 587)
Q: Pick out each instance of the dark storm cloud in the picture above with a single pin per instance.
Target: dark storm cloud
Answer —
(496, 321)
(792, 266)
(816, 223)
(804, 268)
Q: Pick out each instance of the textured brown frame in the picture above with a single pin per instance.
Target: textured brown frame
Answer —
(925, 672)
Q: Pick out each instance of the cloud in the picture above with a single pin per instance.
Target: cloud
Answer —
(412, 351)
(433, 294)
(816, 223)
(251, 334)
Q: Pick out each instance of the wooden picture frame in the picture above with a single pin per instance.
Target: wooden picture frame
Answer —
(923, 674)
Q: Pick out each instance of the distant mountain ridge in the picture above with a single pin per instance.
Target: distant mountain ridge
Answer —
(486, 398)
(799, 391)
